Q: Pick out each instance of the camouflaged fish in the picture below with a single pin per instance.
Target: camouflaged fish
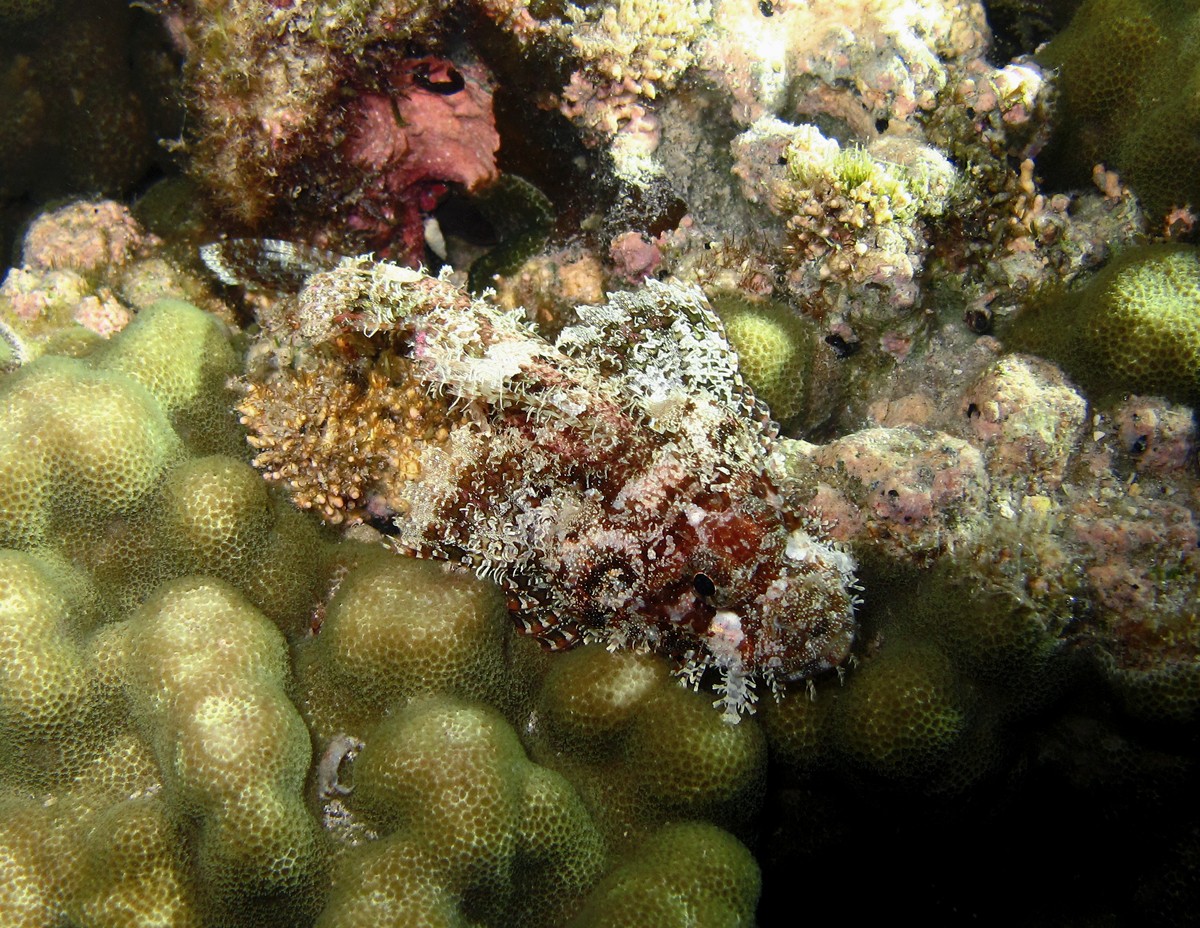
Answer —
(616, 482)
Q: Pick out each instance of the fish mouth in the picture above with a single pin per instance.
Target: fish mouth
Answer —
(726, 626)
(725, 637)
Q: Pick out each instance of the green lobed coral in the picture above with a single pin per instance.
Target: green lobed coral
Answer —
(775, 347)
(170, 720)
(1134, 326)
(1128, 72)
(685, 874)
(466, 818)
(231, 749)
(903, 712)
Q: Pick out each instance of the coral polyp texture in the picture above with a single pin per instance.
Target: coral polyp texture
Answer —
(823, 367)
(1135, 326)
(1123, 66)
(774, 347)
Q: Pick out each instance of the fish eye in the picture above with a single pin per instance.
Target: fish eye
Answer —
(704, 585)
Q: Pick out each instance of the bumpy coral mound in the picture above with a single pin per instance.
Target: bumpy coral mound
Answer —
(684, 874)
(641, 749)
(398, 629)
(1127, 71)
(130, 870)
(114, 429)
(467, 817)
(991, 633)
(46, 688)
(902, 714)
(232, 749)
(1166, 693)
(28, 892)
(100, 441)
(1135, 326)
(774, 346)
(185, 701)
(188, 671)
(467, 824)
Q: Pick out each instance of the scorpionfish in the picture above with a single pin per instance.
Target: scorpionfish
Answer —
(616, 482)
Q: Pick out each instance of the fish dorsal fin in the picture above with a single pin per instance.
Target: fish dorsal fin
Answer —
(663, 338)
(267, 263)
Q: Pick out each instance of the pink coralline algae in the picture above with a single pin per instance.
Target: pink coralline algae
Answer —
(616, 483)
(912, 493)
(86, 269)
(634, 257)
(85, 237)
(429, 126)
(1161, 436)
(339, 124)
